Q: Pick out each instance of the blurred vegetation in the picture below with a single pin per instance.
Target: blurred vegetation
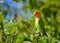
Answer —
(22, 31)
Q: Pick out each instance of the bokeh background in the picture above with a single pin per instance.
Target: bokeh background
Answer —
(17, 22)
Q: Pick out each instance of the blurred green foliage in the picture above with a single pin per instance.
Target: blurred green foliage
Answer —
(17, 31)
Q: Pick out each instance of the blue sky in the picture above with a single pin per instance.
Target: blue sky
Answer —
(17, 7)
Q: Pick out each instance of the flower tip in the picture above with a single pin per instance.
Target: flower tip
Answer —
(37, 14)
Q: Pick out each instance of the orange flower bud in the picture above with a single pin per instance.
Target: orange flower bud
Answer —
(37, 14)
